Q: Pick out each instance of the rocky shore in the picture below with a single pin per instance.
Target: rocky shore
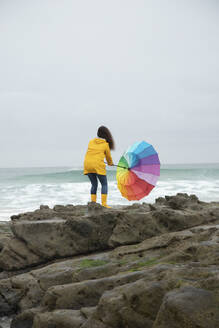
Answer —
(141, 266)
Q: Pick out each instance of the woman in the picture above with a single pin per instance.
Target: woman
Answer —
(94, 166)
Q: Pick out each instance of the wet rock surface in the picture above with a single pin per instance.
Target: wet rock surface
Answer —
(145, 265)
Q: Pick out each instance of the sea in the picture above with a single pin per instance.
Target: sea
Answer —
(25, 189)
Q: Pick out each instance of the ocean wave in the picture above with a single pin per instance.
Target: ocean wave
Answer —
(26, 189)
(22, 198)
(71, 175)
(74, 175)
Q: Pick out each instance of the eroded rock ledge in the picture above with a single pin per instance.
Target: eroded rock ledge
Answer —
(150, 265)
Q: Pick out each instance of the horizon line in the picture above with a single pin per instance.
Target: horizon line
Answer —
(81, 166)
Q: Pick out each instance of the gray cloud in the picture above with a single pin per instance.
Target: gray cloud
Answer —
(146, 69)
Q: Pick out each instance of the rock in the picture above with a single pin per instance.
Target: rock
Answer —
(87, 312)
(87, 266)
(5, 228)
(25, 319)
(44, 207)
(136, 207)
(45, 212)
(9, 297)
(175, 220)
(16, 255)
(24, 291)
(5, 322)
(58, 238)
(188, 307)
(96, 272)
(30, 288)
(153, 243)
(131, 305)
(59, 318)
(84, 294)
(123, 233)
(5, 234)
(4, 240)
(72, 230)
(181, 201)
(57, 273)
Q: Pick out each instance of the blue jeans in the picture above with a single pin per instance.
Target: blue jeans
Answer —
(94, 183)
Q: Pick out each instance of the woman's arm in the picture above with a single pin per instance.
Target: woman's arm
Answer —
(108, 155)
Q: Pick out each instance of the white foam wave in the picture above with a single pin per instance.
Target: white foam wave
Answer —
(16, 199)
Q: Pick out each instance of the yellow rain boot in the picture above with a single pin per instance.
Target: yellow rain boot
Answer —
(93, 198)
(104, 200)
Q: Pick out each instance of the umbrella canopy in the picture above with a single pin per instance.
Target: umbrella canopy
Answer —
(138, 171)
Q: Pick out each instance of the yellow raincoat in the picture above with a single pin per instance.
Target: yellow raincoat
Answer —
(98, 150)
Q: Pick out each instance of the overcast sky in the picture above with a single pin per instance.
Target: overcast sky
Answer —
(147, 69)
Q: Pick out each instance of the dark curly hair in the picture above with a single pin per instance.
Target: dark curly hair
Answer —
(105, 133)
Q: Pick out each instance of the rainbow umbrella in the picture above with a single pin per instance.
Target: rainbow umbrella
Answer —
(138, 171)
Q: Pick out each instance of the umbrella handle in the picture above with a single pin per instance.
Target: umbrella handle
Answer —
(122, 167)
